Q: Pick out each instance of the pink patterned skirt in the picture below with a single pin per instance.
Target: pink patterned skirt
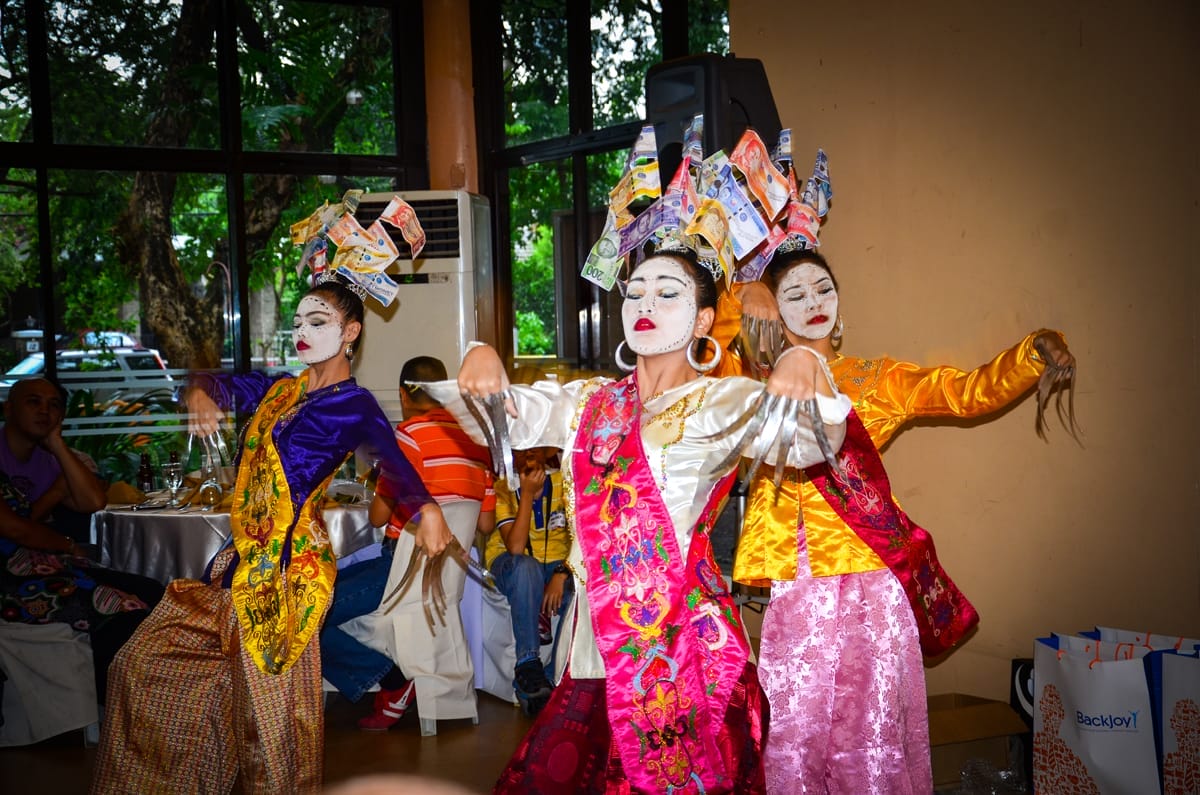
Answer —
(569, 749)
(840, 663)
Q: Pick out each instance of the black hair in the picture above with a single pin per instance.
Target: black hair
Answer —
(783, 263)
(421, 368)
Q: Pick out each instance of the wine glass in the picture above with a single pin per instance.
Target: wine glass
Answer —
(173, 477)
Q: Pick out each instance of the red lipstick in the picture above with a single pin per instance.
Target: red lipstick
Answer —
(644, 324)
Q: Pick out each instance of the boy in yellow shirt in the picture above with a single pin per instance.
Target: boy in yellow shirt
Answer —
(527, 558)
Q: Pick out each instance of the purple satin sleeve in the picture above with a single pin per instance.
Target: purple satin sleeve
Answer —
(330, 424)
(395, 470)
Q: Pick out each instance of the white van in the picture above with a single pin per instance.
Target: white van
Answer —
(105, 372)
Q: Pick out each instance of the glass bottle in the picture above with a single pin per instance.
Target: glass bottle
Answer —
(145, 474)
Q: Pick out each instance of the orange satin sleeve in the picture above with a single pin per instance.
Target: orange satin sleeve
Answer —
(726, 327)
(887, 393)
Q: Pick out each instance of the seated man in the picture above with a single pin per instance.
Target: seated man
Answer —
(527, 558)
(43, 579)
(453, 468)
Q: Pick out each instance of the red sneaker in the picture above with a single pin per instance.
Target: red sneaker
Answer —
(390, 706)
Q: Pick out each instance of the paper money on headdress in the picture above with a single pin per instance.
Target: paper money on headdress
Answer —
(746, 224)
(712, 224)
(818, 190)
(681, 196)
(766, 182)
(362, 254)
(781, 155)
(401, 215)
(603, 262)
(693, 142)
(800, 226)
(645, 148)
(639, 180)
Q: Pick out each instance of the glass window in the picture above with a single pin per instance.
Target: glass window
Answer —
(539, 193)
(625, 43)
(708, 26)
(20, 304)
(275, 287)
(317, 77)
(154, 69)
(142, 254)
(14, 74)
(534, 60)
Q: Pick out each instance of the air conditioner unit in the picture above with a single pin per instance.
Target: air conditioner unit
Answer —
(445, 297)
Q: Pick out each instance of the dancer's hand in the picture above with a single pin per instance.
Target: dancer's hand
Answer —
(432, 533)
(799, 375)
(204, 415)
(1053, 349)
(482, 375)
(758, 302)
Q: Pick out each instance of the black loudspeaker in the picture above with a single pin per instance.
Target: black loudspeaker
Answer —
(1020, 691)
(1020, 697)
(732, 93)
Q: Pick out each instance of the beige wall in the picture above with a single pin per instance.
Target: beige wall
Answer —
(997, 168)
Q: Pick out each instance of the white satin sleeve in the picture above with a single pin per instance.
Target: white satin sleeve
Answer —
(545, 411)
(732, 397)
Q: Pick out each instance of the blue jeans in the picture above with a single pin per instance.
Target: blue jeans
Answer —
(349, 665)
(522, 579)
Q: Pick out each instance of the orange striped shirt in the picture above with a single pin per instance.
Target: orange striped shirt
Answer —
(450, 464)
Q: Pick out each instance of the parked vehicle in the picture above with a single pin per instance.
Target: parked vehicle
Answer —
(105, 372)
(97, 340)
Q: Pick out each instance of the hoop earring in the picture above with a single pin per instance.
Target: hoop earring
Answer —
(836, 336)
(711, 363)
(621, 363)
(349, 352)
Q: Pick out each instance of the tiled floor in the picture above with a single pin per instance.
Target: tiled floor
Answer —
(471, 756)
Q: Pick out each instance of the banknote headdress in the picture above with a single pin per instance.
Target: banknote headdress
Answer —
(361, 256)
(733, 211)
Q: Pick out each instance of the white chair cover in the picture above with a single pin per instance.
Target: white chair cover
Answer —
(487, 619)
(51, 688)
(438, 662)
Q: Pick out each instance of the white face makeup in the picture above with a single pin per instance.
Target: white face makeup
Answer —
(659, 313)
(316, 330)
(808, 301)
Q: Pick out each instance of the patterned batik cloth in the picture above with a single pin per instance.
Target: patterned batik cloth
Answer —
(569, 749)
(841, 666)
(229, 720)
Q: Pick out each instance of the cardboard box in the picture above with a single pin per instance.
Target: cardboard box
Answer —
(963, 727)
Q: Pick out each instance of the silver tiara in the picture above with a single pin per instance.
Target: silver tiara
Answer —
(706, 257)
(792, 243)
(331, 276)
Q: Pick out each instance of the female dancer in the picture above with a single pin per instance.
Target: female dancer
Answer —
(224, 678)
(658, 693)
(857, 594)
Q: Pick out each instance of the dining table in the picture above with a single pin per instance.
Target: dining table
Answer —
(167, 543)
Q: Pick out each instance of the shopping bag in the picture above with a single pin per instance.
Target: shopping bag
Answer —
(1093, 724)
(1146, 639)
(1175, 698)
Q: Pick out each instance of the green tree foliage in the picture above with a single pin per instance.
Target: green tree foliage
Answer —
(626, 41)
(119, 237)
